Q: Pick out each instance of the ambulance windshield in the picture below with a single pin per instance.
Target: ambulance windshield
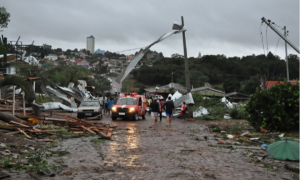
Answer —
(127, 101)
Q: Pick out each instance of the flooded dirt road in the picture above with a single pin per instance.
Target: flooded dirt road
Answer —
(139, 150)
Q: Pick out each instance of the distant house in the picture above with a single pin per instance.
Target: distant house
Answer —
(130, 57)
(114, 70)
(168, 88)
(50, 58)
(62, 57)
(208, 91)
(98, 51)
(152, 56)
(75, 53)
(95, 65)
(272, 83)
(46, 46)
(82, 63)
(8, 68)
(71, 62)
(236, 97)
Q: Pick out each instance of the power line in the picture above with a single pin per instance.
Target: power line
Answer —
(267, 39)
(262, 38)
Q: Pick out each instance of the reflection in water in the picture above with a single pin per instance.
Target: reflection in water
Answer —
(125, 150)
(132, 143)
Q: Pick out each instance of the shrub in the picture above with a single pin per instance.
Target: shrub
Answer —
(238, 112)
(276, 108)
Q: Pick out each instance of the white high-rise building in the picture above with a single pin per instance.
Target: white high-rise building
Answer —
(90, 44)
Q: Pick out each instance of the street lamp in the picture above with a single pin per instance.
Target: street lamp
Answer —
(177, 26)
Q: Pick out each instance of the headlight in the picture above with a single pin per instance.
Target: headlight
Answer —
(131, 110)
(96, 110)
(114, 109)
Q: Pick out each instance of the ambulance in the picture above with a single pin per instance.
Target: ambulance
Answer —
(129, 106)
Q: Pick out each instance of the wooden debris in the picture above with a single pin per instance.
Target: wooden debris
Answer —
(75, 125)
(246, 133)
(18, 124)
(88, 129)
(7, 118)
(24, 133)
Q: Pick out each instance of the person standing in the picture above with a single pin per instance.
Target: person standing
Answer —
(169, 108)
(183, 110)
(154, 110)
(160, 108)
(109, 104)
(103, 101)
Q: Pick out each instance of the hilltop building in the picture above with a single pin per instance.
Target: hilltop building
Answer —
(199, 55)
(99, 51)
(90, 44)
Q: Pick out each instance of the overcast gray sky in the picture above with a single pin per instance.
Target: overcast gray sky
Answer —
(229, 27)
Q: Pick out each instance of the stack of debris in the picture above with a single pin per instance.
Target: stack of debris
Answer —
(72, 124)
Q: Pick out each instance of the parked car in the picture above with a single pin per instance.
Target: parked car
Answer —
(89, 108)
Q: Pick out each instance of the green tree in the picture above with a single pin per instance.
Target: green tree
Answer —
(68, 52)
(276, 108)
(231, 85)
(2, 49)
(4, 17)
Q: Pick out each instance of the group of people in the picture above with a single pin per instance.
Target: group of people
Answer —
(157, 107)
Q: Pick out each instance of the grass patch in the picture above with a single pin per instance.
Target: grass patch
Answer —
(97, 140)
(42, 99)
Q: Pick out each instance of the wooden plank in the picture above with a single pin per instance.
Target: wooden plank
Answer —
(14, 122)
(109, 135)
(102, 129)
(101, 133)
(24, 132)
(87, 129)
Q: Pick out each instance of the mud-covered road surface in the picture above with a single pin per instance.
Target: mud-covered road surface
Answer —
(139, 150)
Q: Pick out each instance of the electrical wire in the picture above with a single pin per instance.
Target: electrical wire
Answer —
(267, 39)
(262, 39)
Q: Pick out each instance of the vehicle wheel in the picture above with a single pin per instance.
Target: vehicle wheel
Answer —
(135, 117)
(114, 118)
(143, 117)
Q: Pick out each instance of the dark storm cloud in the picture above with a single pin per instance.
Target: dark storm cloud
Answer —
(230, 27)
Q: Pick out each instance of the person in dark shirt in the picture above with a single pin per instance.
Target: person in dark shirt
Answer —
(160, 109)
(169, 108)
(154, 110)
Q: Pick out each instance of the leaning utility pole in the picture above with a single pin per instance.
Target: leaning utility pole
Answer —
(286, 58)
(268, 22)
(186, 64)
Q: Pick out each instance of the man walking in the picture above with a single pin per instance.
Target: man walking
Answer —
(109, 104)
(154, 110)
(169, 108)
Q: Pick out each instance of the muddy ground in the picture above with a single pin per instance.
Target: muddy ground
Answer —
(140, 150)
